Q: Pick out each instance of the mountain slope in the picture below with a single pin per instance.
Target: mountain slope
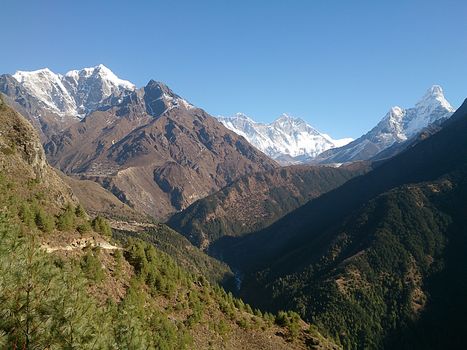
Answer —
(255, 201)
(288, 140)
(155, 151)
(22, 157)
(64, 285)
(367, 260)
(399, 125)
(150, 147)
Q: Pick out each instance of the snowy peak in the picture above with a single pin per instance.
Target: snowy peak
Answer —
(241, 116)
(397, 126)
(91, 87)
(402, 123)
(291, 124)
(48, 88)
(101, 73)
(287, 139)
(75, 94)
(24, 76)
(433, 99)
(285, 120)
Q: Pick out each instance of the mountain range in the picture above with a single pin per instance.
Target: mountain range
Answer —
(287, 140)
(255, 201)
(53, 101)
(398, 126)
(363, 243)
(372, 259)
(291, 140)
(150, 147)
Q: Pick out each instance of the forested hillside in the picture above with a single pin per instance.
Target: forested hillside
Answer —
(370, 261)
(255, 201)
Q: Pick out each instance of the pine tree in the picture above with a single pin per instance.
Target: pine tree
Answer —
(130, 319)
(66, 220)
(101, 225)
(28, 290)
(78, 323)
(44, 221)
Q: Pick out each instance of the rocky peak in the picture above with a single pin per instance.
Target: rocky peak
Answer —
(158, 98)
(434, 98)
(92, 87)
(48, 89)
(397, 126)
(287, 139)
(75, 94)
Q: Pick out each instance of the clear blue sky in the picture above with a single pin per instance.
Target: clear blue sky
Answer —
(340, 65)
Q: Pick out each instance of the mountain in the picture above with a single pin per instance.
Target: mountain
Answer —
(151, 148)
(65, 284)
(380, 261)
(257, 200)
(288, 140)
(53, 101)
(397, 126)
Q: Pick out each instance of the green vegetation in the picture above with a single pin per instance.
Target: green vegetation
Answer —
(44, 221)
(66, 220)
(80, 212)
(366, 286)
(46, 305)
(186, 255)
(101, 225)
(46, 300)
(379, 262)
(92, 266)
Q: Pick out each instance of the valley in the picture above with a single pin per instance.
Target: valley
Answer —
(233, 175)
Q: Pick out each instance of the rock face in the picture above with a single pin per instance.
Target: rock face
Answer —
(22, 157)
(398, 126)
(288, 140)
(155, 151)
(18, 136)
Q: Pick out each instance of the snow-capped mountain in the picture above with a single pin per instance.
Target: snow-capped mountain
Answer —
(76, 93)
(397, 126)
(287, 139)
(52, 102)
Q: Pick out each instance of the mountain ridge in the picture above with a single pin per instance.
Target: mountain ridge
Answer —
(397, 126)
(287, 139)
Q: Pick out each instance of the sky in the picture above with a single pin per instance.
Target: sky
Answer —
(339, 65)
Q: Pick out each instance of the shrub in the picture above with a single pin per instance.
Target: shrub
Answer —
(84, 227)
(26, 214)
(79, 211)
(101, 225)
(282, 319)
(66, 220)
(44, 221)
(91, 266)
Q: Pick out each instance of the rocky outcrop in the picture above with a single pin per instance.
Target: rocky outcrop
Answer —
(22, 157)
